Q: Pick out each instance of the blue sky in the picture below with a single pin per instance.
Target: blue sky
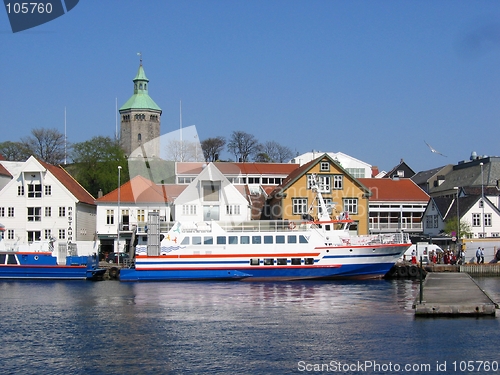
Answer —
(372, 79)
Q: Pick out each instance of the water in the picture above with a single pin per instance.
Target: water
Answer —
(232, 328)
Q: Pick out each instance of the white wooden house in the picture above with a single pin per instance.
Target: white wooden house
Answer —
(40, 202)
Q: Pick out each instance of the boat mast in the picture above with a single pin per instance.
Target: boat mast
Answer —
(323, 214)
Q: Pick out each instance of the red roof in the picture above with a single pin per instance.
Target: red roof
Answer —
(228, 168)
(4, 171)
(386, 189)
(69, 182)
(140, 189)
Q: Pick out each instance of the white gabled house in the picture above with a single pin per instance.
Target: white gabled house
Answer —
(482, 216)
(210, 196)
(41, 202)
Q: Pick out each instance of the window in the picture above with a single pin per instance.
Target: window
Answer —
(280, 239)
(435, 221)
(10, 212)
(325, 184)
(208, 240)
(476, 220)
(292, 239)
(20, 190)
(429, 221)
(110, 217)
(244, 240)
(10, 234)
(324, 166)
(34, 213)
(296, 261)
(356, 172)
(139, 137)
(47, 234)
(351, 205)
(62, 211)
(48, 211)
(48, 190)
(481, 204)
(487, 220)
(62, 234)
(34, 191)
(2, 211)
(221, 240)
(338, 180)
(268, 262)
(196, 240)
(268, 239)
(233, 240)
(254, 262)
(281, 261)
(189, 209)
(211, 191)
(233, 209)
(141, 216)
(299, 206)
(34, 235)
(256, 240)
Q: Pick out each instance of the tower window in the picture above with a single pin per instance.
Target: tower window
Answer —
(145, 86)
(139, 137)
(140, 86)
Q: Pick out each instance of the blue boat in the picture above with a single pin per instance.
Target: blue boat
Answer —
(39, 261)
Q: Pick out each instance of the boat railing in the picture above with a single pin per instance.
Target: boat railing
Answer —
(265, 226)
(377, 239)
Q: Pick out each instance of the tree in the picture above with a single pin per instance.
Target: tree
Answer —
(243, 145)
(183, 151)
(96, 164)
(450, 226)
(14, 151)
(47, 145)
(212, 148)
(276, 152)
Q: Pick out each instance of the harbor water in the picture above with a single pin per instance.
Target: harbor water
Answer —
(346, 327)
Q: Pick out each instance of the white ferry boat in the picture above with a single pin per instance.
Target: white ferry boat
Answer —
(262, 250)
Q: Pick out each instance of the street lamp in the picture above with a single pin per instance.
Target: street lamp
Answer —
(118, 230)
(482, 197)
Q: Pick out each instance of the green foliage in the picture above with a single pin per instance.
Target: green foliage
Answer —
(450, 226)
(96, 164)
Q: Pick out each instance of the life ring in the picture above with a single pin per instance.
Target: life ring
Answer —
(113, 272)
(413, 271)
(402, 271)
(292, 226)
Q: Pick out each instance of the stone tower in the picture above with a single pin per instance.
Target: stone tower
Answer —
(140, 120)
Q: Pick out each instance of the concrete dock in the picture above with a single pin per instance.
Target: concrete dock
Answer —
(453, 294)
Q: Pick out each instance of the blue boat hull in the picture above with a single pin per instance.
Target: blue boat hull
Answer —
(357, 271)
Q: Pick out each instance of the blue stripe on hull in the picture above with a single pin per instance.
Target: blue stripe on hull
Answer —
(26, 272)
(259, 272)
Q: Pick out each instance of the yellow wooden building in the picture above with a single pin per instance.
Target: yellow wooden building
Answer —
(294, 198)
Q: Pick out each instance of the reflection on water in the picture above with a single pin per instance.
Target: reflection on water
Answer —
(225, 328)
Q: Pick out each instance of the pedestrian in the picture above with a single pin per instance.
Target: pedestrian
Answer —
(478, 255)
(482, 255)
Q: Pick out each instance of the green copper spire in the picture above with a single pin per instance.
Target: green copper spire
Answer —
(141, 98)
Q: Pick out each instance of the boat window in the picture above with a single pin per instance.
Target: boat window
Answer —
(185, 241)
(208, 240)
(292, 239)
(196, 240)
(244, 240)
(302, 239)
(256, 240)
(233, 240)
(281, 262)
(2, 258)
(221, 240)
(11, 259)
(296, 261)
(268, 262)
(280, 239)
(268, 239)
(254, 262)
(327, 227)
(309, 261)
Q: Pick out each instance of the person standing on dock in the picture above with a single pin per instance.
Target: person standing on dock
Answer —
(482, 255)
(478, 255)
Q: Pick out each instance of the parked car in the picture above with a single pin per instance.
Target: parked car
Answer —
(112, 257)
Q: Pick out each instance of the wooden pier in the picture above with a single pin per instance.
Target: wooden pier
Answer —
(453, 294)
